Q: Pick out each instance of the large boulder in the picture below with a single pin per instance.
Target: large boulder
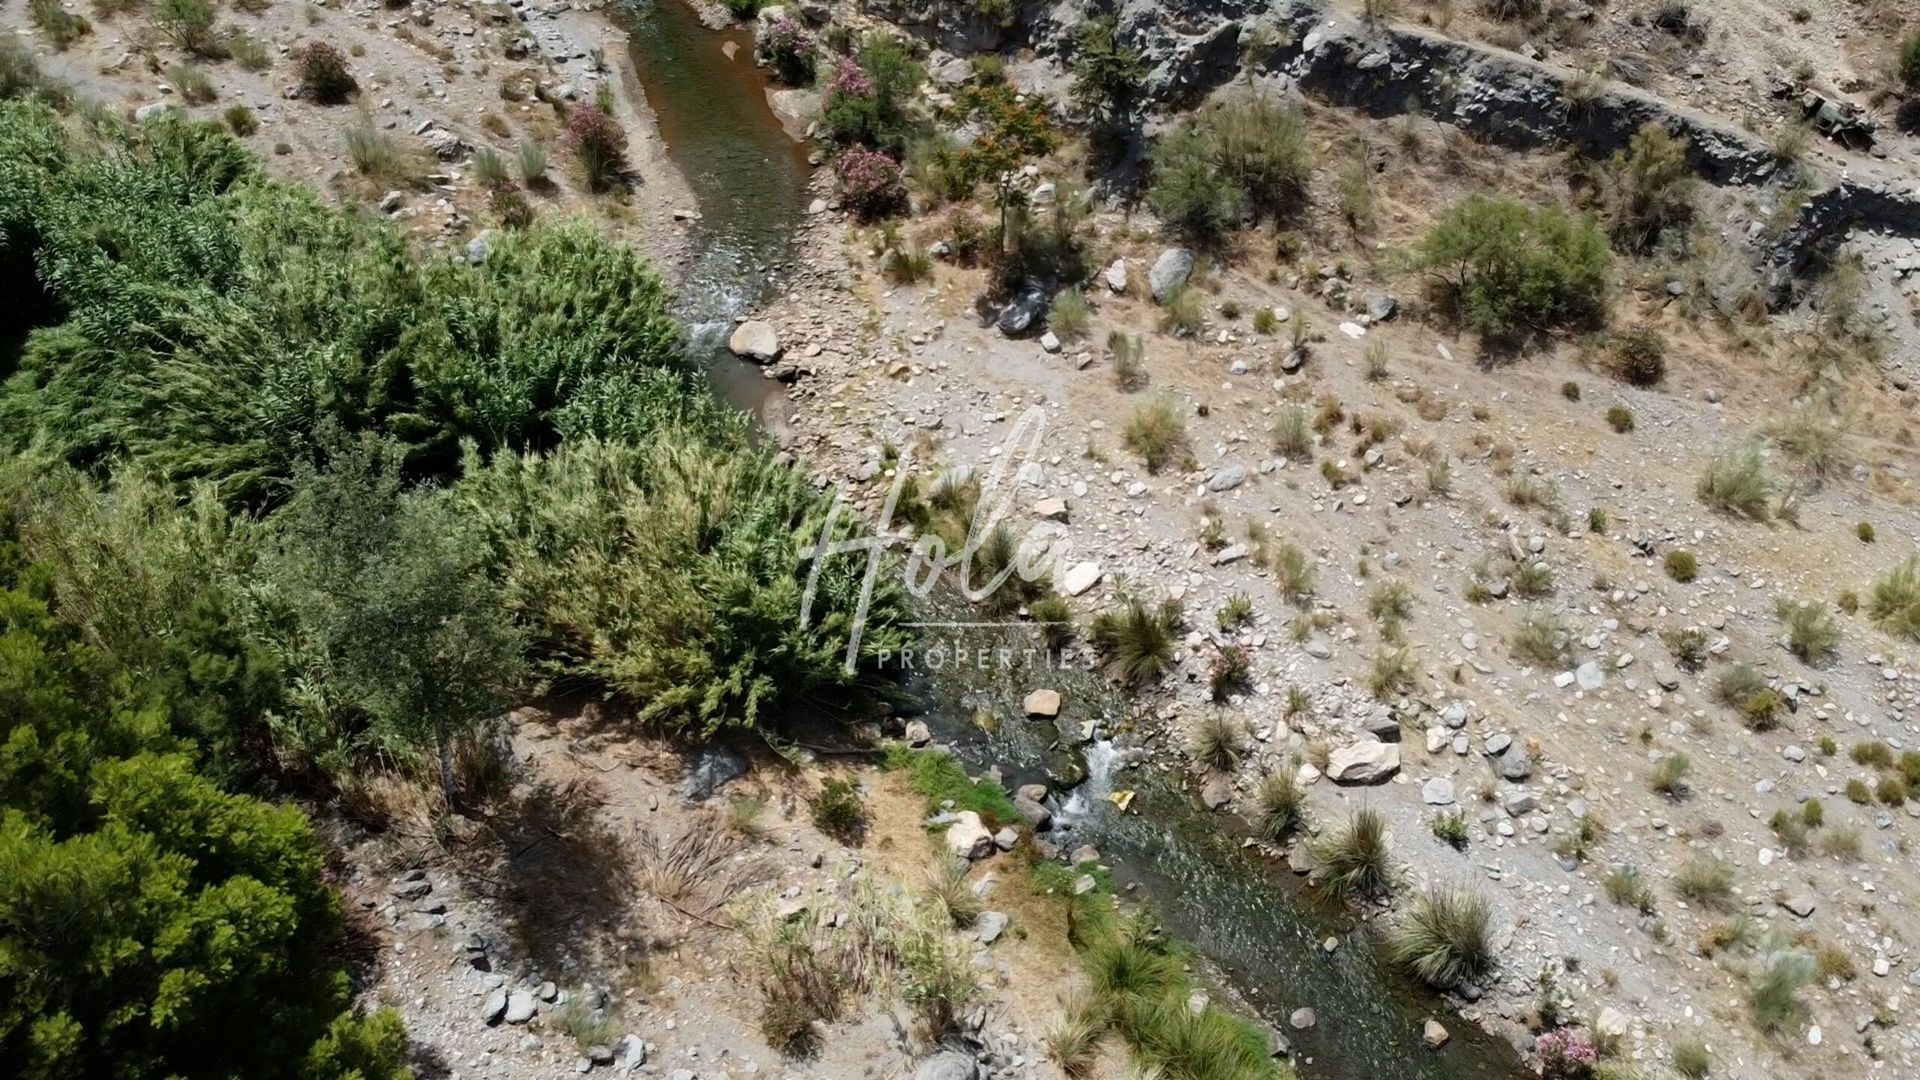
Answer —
(1042, 703)
(1026, 313)
(1081, 577)
(947, 1065)
(968, 837)
(755, 340)
(1170, 271)
(1368, 762)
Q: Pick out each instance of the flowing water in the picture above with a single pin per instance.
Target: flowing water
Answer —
(748, 175)
(1250, 919)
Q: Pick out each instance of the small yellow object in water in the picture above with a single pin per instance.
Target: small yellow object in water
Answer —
(1121, 799)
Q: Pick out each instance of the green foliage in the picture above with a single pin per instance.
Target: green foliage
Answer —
(1707, 881)
(1648, 188)
(387, 594)
(1620, 419)
(1773, 995)
(145, 914)
(1218, 743)
(1155, 431)
(1137, 641)
(1450, 827)
(879, 118)
(61, 27)
(941, 780)
(1639, 355)
(186, 23)
(1736, 482)
(1353, 859)
(1189, 192)
(1907, 64)
(214, 327)
(673, 573)
(1247, 154)
(1812, 634)
(1279, 803)
(839, 811)
(1507, 268)
(1109, 76)
(1446, 938)
(1682, 566)
(1894, 603)
(1068, 316)
(1670, 775)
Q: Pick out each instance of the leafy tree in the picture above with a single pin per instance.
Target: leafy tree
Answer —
(1508, 267)
(152, 924)
(392, 605)
(1109, 76)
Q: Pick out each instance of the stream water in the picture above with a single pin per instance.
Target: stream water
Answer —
(1251, 920)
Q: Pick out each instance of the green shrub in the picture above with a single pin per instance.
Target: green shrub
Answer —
(1109, 75)
(1069, 315)
(867, 100)
(1648, 188)
(1864, 531)
(1181, 315)
(1812, 634)
(1237, 611)
(1446, 938)
(1907, 64)
(1773, 996)
(1736, 482)
(192, 83)
(1353, 859)
(1137, 641)
(1279, 803)
(1155, 431)
(839, 811)
(1670, 775)
(1706, 881)
(1292, 436)
(322, 69)
(1509, 268)
(1627, 888)
(1691, 1059)
(1189, 191)
(1218, 743)
(1451, 827)
(61, 27)
(489, 170)
(248, 52)
(1639, 355)
(1230, 673)
(1620, 419)
(1391, 674)
(1682, 566)
(1055, 619)
(1129, 355)
(532, 161)
(241, 120)
(1876, 754)
(1859, 792)
(1261, 146)
(1294, 572)
(1539, 638)
(1894, 602)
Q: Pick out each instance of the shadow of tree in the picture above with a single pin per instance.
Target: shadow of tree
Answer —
(561, 877)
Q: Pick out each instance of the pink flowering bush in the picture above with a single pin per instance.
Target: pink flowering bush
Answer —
(1566, 1054)
(848, 81)
(598, 144)
(869, 182)
(790, 49)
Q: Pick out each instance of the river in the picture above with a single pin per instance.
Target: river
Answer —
(1249, 918)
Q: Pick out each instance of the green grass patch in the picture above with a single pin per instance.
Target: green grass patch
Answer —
(941, 779)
